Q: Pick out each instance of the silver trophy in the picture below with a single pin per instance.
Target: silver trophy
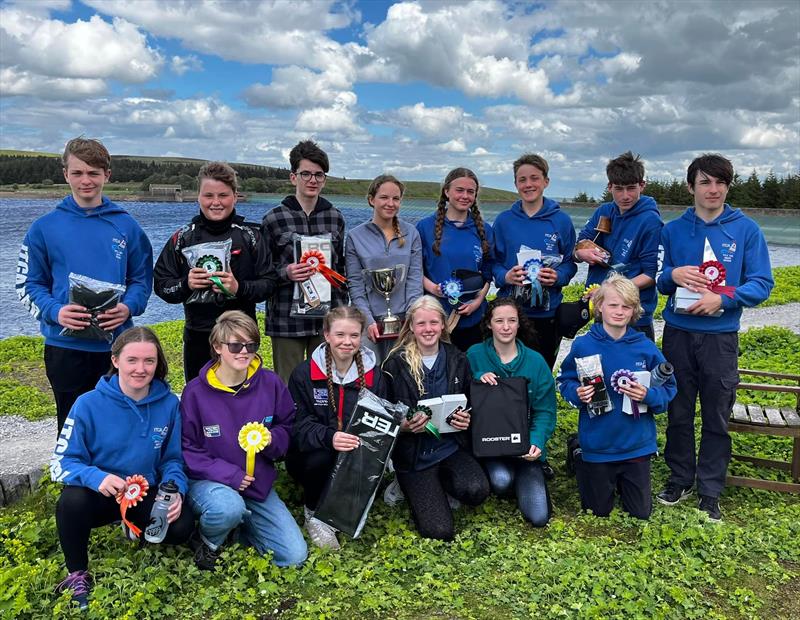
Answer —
(384, 281)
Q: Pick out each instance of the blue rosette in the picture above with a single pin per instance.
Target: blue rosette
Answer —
(452, 288)
(532, 268)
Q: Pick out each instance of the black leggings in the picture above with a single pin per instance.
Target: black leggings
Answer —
(459, 475)
(311, 470)
(196, 352)
(80, 509)
(71, 373)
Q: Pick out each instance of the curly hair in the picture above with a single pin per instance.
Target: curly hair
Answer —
(475, 211)
(526, 333)
(218, 171)
(350, 313)
(373, 191)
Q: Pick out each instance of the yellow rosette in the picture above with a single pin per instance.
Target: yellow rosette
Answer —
(589, 294)
(253, 437)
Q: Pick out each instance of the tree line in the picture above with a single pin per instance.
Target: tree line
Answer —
(771, 193)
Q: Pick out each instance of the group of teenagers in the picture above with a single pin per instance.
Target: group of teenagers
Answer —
(118, 417)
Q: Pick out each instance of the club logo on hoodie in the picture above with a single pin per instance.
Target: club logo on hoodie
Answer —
(158, 436)
(728, 251)
(551, 242)
(321, 397)
(118, 247)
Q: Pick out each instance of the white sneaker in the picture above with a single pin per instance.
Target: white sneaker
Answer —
(393, 495)
(321, 534)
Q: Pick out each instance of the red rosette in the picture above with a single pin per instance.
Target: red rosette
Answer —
(316, 260)
(135, 489)
(715, 273)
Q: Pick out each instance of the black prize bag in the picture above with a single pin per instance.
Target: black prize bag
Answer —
(499, 423)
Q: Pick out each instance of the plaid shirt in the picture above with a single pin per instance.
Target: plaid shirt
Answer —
(279, 225)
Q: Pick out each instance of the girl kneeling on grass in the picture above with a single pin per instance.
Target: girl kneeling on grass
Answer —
(129, 424)
(616, 445)
(325, 388)
(503, 354)
(424, 364)
(233, 390)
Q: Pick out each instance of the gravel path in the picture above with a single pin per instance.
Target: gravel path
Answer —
(27, 445)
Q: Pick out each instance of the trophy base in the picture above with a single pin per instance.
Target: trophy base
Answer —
(389, 329)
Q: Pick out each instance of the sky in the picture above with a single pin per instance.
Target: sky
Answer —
(410, 88)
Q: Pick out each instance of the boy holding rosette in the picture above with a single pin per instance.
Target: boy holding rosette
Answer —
(607, 376)
(237, 421)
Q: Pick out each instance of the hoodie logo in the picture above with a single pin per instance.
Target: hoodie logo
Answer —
(211, 431)
(728, 251)
(551, 242)
(158, 436)
(641, 364)
(626, 248)
(118, 247)
(267, 420)
(477, 254)
(321, 397)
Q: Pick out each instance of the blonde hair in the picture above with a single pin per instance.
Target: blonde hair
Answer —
(230, 324)
(350, 313)
(406, 345)
(625, 288)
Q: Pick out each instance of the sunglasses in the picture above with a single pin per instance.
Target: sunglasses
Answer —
(236, 347)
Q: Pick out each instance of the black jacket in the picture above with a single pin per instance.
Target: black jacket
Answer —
(250, 264)
(401, 387)
(315, 421)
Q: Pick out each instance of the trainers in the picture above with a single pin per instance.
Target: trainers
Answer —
(710, 505)
(321, 534)
(205, 558)
(79, 582)
(673, 493)
(393, 494)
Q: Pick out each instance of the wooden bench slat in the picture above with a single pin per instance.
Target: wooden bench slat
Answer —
(756, 414)
(769, 387)
(768, 373)
(774, 417)
(739, 413)
(791, 417)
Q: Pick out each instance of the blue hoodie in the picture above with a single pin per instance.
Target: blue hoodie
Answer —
(633, 241)
(549, 230)
(616, 436)
(107, 432)
(460, 249)
(738, 244)
(104, 243)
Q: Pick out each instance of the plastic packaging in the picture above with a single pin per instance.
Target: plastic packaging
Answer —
(97, 297)
(590, 372)
(211, 256)
(312, 298)
(158, 526)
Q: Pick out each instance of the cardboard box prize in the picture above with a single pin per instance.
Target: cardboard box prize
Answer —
(441, 407)
(684, 298)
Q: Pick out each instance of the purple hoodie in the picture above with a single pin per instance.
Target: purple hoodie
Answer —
(212, 415)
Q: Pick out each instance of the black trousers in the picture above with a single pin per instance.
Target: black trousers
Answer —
(465, 337)
(548, 339)
(311, 470)
(196, 352)
(647, 330)
(71, 373)
(599, 482)
(81, 509)
(705, 364)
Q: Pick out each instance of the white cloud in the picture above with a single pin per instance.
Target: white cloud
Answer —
(456, 145)
(439, 122)
(769, 137)
(182, 64)
(298, 87)
(14, 82)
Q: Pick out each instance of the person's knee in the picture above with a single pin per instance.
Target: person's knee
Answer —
(501, 481)
(294, 553)
(225, 508)
(535, 514)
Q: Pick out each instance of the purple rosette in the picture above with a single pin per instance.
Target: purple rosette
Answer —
(625, 378)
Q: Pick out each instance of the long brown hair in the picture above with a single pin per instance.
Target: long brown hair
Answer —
(475, 211)
(337, 314)
(526, 333)
(140, 334)
(373, 191)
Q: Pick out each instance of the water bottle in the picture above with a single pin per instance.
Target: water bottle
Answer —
(157, 528)
(661, 374)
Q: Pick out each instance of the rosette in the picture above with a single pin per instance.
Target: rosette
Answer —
(532, 268)
(715, 273)
(316, 260)
(625, 378)
(588, 293)
(136, 488)
(253, 437)
(426, 411)
(452, 288)
(209, 262)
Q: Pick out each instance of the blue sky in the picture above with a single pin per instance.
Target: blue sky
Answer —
(411, 88)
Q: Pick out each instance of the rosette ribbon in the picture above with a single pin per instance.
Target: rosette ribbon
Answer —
(426, 411)
(715, 273)
(316, 260)
(253, 438)
(452, 288)
(211, 263)
(532, 268)
(135, 489)
(624, 378)
(588, 293)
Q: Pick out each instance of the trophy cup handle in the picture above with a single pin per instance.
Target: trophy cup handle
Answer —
(365, 275)
(401, 270)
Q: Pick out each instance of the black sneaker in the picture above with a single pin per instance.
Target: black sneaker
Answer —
(710, 505)
(205, 558)
(673, 493)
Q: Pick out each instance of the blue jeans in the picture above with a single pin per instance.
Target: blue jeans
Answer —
(267, 525)
(525, 479)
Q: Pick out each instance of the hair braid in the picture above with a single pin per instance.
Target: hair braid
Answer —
(401, 241)
(329, 376)
(441, 208)
(478, 219)
(362, 382)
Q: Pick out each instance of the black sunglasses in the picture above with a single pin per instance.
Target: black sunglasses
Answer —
(236, 347)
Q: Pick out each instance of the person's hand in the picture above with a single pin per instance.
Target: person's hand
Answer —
(73, 316)
(460, 419)
(469, 308)
(112, 485)
(489, 377)
(299, 272)
(585, 393)
(707, 305)
(415, 424)
(175, 509)
(547, 276)
(228, 281)
(246, 481)
(373, 332)
(345, 442)
(689, 276)
(591, 256)
(111, 319)
(198, 278)
(634, 390)
(515, 276)
(532, 454)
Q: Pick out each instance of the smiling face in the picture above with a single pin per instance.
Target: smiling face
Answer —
(86, 182)
(217, 200)
(625, 196)
(614, 310)
(709, 193)
(237, 363)
(307, 190)
(344, 339)
(530, 183)
(427, 327)
(386, 202)
(504, 324)
(136, 364)
(461, 194)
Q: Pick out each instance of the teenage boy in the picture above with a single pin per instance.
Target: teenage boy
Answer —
(632, 243)
(701, 337)
(305, 213)
(88, 235)
(616, 444)
(540, 224)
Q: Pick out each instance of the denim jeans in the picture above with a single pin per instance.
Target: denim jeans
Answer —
(267, 525)
(525, 479)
